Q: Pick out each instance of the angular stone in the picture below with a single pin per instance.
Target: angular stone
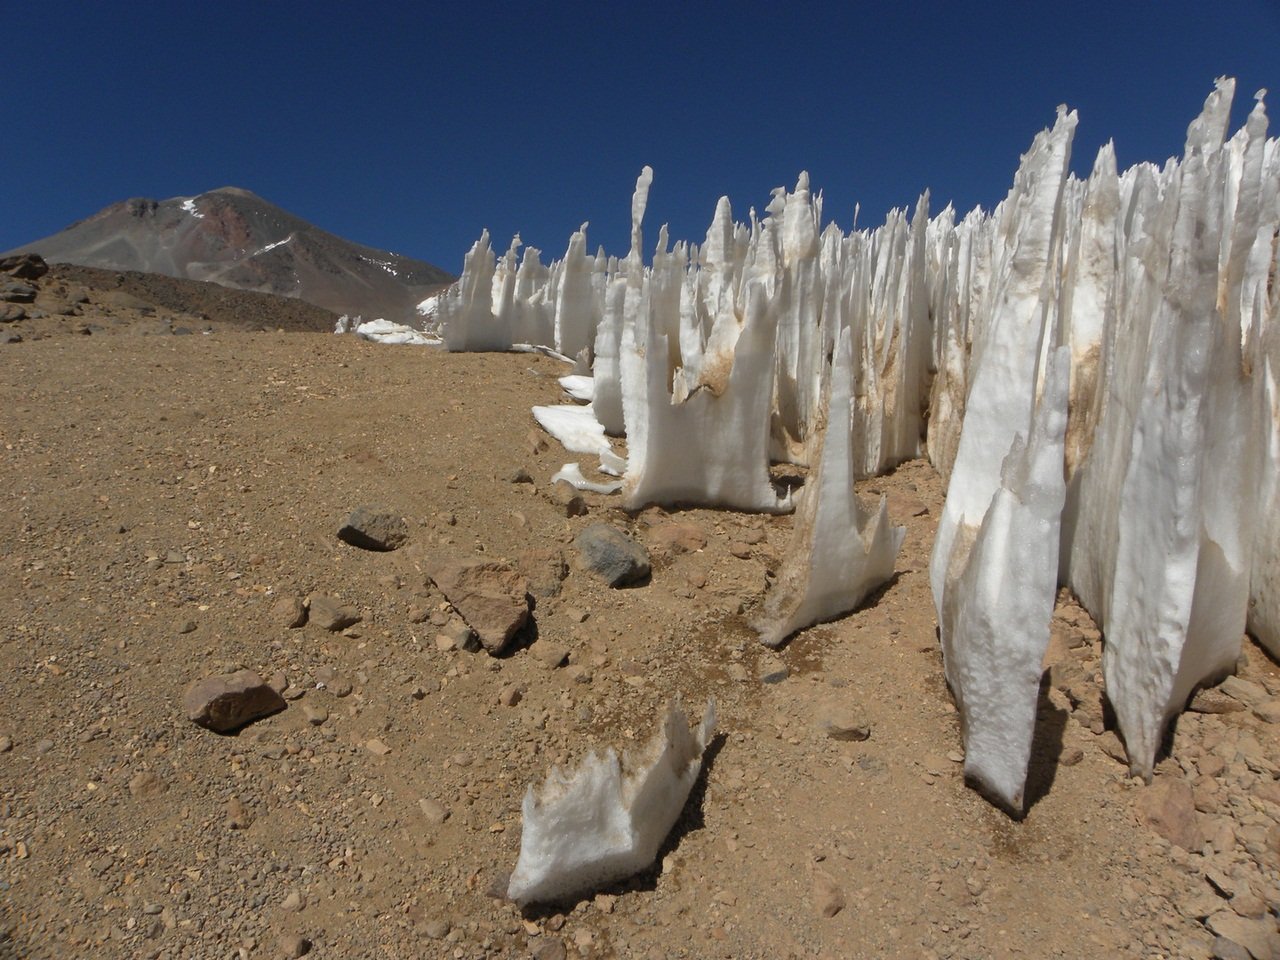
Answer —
(567, 499)
(1210, 700)
(550, 655)
(1268, 711)
(611, 555)
(289, 612)
(1168, 807)
(15, 291)
(373, 528)
(1246, 691)
(491, 597)
(673, 539)
(828, 897)
(1259, 937)
(545, 569)
(147, 786)
(24, 266)
(11, 313)
(224, 703)
(842, 723)
(330, 614)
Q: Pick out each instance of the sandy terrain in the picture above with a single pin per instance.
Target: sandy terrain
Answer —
(162, 494)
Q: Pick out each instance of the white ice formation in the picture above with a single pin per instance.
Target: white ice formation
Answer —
(839, 552)
(1093, 365)
(607, 820)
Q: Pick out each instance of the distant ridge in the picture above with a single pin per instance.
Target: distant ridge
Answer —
(235, 238)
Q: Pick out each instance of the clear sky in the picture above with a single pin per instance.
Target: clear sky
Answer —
(411, 126)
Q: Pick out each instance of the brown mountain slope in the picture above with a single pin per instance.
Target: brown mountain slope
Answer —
(235, 238)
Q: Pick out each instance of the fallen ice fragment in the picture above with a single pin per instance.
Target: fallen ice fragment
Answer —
(576, 427)
(578, 386)
(608, 820)
(571, 474)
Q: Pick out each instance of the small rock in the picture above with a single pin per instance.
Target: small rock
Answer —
(329, 614)
(294, 945)
(510, 695)
(491, 597)
(147, 786)
(1246, 691)
(1168, 807)
(289, 612)
(828, 897)
(436, 929)
(373, 528)
(24, 266)
(293, 902)
(238, 817)
(1224, 949)
(1210, 700)
(314, 714)
(6, 744)
(843, 723)
(187, 626)
(673, 539)
(224, 703)
(550, 948)
(435, 812)
(519, 475)
(569, 501)
(1110, 744)
(278, 682)
(740, 550)
(1071, 755)
(550, 655)
(1246, 904)
(1259, 937)
(610, 554)
(1268, 711)
(377, 747)
(545, 569)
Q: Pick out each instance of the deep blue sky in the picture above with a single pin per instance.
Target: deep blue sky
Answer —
(411, 126)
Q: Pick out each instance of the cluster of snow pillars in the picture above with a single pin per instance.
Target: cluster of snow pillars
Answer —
(1093, 365)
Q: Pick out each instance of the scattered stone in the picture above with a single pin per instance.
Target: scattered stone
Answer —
(278, 682)
(1109, 743)
(373, 528)
(314, 714)
(491, 597)
(673, 539)
(294, 945)
(510, 695)
(842, 723)
(1224, 949)
(238, 817)
(330, 614)
(289, 612)
(1246, 904)
(1168, 807)
(8, 336)
(549, 948)
(12, 313)
(43, 746)
(6, 744)
(1268, 711)
(1259, 937)
(224, 703)
(456, 635)
(545, 569)
(1071, 755)
(901, 505)
(15, 291)
(610, 554)
(377, 747)
(24, 266)
(293, 902)
(519, 475)
(828, 898)
(187, 626)
(550, 655)
(147, 786)
(567, 498)
(435, 812)
(1210, 700)
(437, 929)
(1246, 691)
(740, 550)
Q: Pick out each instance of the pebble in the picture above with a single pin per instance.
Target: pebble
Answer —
(843, 723)
(373, 528)
(510, 695)
(740, 550)
(549, 949)
(289, 612)
(550, 655)
(6, 744)
(238, 817)
(187, 626)
(377, 747)
(294, 945)
(1268, 711)
(435, 811)
(314, 714)
(224, 703)
(611, 555)
(147, 785)
(293, 902)
(330, 614)
(828, 897)
(43, 747)
(436, 929)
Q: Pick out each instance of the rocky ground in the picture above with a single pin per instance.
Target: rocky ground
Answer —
(167, 501)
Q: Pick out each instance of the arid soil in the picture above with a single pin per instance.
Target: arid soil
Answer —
(161, 495)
